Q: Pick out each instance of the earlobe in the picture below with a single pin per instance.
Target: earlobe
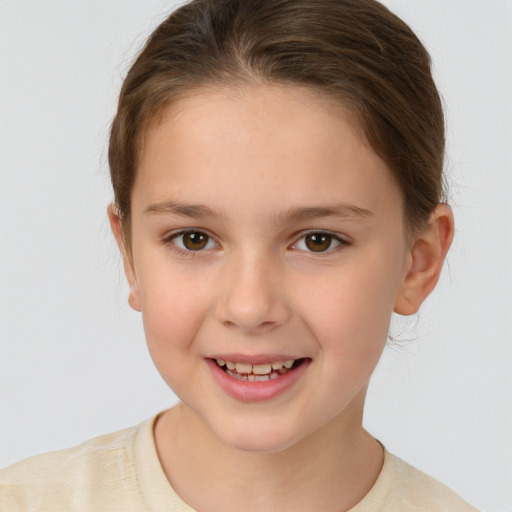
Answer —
(425, 261)
(129, 269)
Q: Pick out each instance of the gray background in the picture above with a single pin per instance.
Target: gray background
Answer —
(73, 363)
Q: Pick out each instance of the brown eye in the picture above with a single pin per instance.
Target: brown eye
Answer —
(193, 241)
(318, 242)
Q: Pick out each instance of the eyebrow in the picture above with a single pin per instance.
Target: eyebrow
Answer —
(199, 211)
(195, 211)
(343, 211)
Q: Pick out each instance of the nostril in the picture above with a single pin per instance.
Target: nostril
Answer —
(246, 325)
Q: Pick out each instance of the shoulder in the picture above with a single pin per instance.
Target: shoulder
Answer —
(64, 479)
(420, 489)
(401, 486)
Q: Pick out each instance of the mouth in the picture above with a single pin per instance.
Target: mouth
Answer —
(257, 378)
(259, 372)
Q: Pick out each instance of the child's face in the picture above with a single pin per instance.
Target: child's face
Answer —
(295, 251)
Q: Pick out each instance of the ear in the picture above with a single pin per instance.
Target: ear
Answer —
(425, 260)
(129, 269)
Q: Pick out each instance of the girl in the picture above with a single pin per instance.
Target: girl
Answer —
(277, 171)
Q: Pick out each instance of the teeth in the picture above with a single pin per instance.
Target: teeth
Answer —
(261, 369)
(256, 372)
(251, 377)
(243, 368)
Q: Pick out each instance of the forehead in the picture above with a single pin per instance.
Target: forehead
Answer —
(215, 109)
(257, 139)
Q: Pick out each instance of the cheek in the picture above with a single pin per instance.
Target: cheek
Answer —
(173, 309)
(350, 307)
(350, 320)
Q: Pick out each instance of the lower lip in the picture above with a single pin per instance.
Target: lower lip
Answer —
(256, 391)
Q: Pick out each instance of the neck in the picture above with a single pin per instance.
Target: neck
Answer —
(330, 470)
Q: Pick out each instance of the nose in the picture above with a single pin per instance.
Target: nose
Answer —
(251, 295)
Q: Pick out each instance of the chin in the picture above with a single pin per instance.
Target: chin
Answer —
(258, 437)
(259, 444)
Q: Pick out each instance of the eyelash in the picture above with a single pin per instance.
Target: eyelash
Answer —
(341, 243)
(183, 250)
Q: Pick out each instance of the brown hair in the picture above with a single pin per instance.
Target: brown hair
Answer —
(355, 51)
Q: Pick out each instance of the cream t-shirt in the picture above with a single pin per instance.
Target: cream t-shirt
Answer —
(121, 472)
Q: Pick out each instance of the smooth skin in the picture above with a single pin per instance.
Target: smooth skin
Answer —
(257, 172)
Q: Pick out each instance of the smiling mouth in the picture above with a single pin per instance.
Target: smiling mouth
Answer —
(259, 372)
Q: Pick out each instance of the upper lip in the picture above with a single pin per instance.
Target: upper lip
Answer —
(255, 359)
